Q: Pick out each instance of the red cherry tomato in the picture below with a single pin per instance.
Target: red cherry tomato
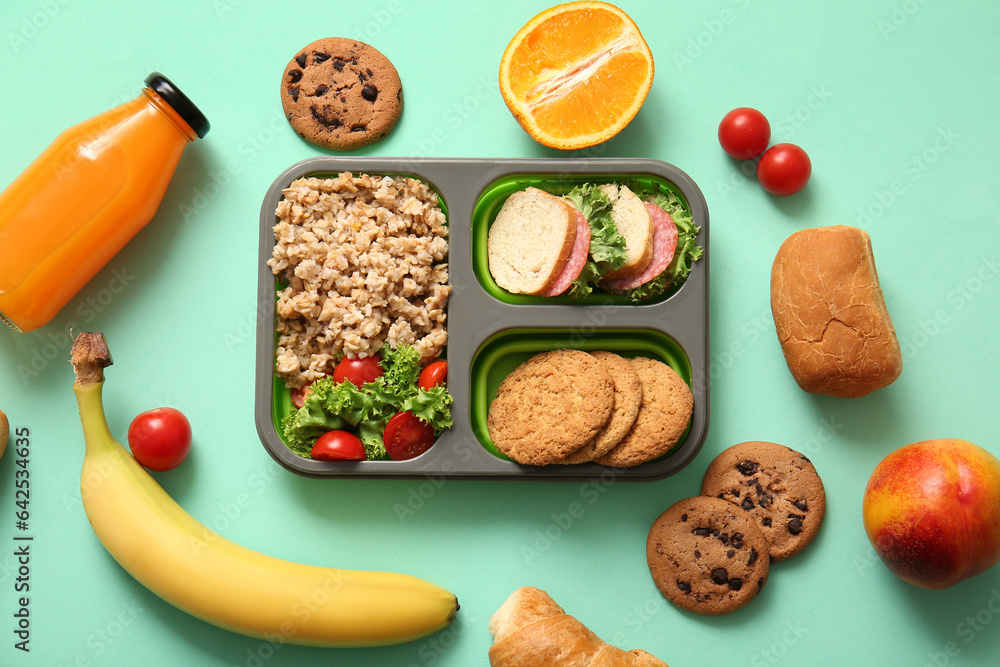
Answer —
(160, 439)
(434, 373)
(406, 436)
(744, 133)
(299, 395)
(359, 371)
(338, 446)
(784, 169)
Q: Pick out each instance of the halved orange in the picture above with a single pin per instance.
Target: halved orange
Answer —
(576, 74)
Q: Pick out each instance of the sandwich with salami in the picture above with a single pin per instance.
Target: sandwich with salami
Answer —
(609, 236)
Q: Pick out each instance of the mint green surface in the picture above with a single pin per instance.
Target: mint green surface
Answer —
(895, 101)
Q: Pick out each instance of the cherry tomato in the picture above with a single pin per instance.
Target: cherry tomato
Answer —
(359, 371)
(784, 169)
(406, 436)
(299, 395)
(160, 439)
(338, 446)
(744, 133)
(433, 374)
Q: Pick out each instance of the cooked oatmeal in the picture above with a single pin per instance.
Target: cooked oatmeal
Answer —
(364, 258)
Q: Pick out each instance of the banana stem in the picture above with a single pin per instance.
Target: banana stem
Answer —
(90, 356)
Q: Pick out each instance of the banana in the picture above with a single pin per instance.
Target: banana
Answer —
(204, 574)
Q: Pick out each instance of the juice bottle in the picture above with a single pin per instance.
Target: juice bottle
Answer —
(85, 196)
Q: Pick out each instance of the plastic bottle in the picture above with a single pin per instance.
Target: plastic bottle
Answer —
(83, 198)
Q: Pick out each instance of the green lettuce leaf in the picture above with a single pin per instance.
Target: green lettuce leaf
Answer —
(366, 410)
(607, 245)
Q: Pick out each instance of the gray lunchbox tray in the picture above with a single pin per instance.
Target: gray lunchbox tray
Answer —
(490, 331)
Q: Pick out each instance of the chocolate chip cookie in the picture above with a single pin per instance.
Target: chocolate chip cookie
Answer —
(777, 485)
(708, 556)
(550, 406)
(341, 94)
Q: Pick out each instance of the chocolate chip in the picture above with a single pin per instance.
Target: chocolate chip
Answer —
(760, 583)
(730, 553)
(684, 586)
(358, 128)
(795, 526)
(369, 72)
(294, 76)
(795, 516)
(735, 492)
(759, 489)
(720, 576)
(747, 504)
(700, 532)
(684, 517)
(697, 554)
(361, 77)
(338, 65)
(806, 459)
(343, 98)
(753, 556)
(747, 467)
(766, 500)
(369, 92)
(326, 117)
(320, 57)
(735, 584)
(766, 521)
(724, 538)
(293, 92)
(301, 59)
(321, 89)
(738, 540)
(722, 496)
(802, 504)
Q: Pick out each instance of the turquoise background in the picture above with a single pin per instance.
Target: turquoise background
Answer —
(896, 103)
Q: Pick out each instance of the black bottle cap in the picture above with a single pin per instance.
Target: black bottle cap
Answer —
(180, 103)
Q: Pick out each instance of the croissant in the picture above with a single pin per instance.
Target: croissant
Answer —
(530, 630)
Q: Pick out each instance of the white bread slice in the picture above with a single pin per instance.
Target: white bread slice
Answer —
(634, 222)
(530, 241)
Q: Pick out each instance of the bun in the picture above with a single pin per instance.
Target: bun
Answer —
(634, 222)
(530, 241)
(830, 315)
(530, 629)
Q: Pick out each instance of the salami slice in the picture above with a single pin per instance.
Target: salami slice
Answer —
(577, 259)
(664, 245)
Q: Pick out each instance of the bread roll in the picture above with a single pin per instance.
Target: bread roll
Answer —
(830, 314)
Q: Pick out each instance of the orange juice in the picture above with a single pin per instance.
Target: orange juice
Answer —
(85, 196)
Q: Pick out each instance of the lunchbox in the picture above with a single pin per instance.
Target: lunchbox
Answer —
(491, 331)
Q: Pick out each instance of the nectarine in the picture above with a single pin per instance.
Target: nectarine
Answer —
(932, 511)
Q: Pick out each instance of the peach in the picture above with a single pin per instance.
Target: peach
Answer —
(932, 512)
